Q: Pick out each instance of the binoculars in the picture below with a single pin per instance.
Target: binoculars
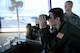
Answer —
(47, 17)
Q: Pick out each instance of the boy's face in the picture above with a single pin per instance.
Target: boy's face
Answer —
(52, 21)
(68, 6)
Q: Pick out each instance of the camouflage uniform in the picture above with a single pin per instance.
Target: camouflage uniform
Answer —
(73, 18)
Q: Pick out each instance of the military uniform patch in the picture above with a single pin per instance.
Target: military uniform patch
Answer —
(60, 35)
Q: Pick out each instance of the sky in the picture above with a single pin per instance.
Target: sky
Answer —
(34, 7)
(30, 8)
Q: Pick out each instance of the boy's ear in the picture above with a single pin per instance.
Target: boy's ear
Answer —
(58, 18)
(48, 19)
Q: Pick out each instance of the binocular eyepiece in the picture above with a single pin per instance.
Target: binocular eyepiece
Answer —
(47, 17)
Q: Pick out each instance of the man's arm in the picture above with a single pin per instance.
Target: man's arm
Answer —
(74, 30)
(44, 34)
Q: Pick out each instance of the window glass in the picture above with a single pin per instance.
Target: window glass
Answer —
(28, 13)
(75, 9)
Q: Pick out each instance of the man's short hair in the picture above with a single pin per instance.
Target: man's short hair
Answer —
(69, 2)
(57, 12)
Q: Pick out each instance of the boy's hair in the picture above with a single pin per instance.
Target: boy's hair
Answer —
(69, 2)
(57, 12)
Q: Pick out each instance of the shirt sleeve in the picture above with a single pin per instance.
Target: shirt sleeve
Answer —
(74, 30)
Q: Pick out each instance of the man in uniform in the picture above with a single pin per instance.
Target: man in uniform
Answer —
(69, 15)
(64, 35)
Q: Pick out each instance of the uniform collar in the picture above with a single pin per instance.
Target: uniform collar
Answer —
(61, 25)
(72, 14)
